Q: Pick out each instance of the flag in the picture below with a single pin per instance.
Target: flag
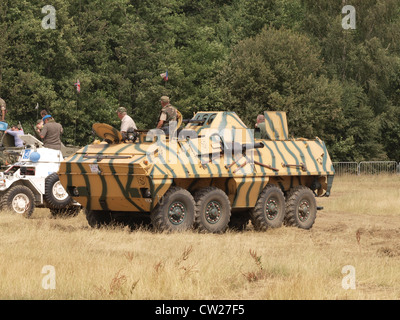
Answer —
(164, 76)
(78, 86)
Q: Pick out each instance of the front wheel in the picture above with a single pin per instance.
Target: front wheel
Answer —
(19, 199)
(175, 212)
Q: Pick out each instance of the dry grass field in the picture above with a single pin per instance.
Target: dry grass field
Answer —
(359, 227)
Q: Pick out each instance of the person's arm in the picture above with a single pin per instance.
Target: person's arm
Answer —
(11, 133)
(163, 117)
(160, 124)
(43, 132)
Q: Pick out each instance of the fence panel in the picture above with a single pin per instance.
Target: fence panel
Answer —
(377, 167)
(345, 168)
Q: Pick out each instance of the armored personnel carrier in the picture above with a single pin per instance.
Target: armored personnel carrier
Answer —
(213, 173)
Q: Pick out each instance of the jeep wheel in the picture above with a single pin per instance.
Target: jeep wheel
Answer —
(301, 208)
(213, 210)
(55, 195)
(175, 212)
(269, 210)
(19, 199)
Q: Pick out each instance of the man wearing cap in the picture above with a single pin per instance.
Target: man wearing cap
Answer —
(126, 121)
(168, 113)
(51, 133)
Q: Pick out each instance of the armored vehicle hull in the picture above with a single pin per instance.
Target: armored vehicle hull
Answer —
(212, 173)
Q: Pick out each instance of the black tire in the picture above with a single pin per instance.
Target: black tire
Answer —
(98, 218)
(301, 208)
(239, 220)
(69, 212)
(269, 211)
(19, 199)
(213, 210)
(175, 212)
(55, 195)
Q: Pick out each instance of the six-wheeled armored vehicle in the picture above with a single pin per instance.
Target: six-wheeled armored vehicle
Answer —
(213, 173)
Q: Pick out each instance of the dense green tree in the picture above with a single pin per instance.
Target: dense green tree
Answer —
(241, 55)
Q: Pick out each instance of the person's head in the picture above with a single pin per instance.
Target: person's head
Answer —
(39, 124)
(43, 113)
(164, 100)
(121, 112)
(14, 128)
(46, 118)
(260, 118)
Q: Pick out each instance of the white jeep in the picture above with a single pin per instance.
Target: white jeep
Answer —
(33, 182)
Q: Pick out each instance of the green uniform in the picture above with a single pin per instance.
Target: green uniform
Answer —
(263, 131)
(168, 113)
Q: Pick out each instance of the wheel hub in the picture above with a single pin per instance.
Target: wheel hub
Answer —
(304, 210)
(272, 209)
(176, 212)
(213, 212)
(59, 191)
(20, 203)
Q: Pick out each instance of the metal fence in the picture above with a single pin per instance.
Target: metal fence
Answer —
(366, 167)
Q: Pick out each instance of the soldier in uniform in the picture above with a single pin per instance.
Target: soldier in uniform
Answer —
(168, 113)
(261, 124)
(3, 109)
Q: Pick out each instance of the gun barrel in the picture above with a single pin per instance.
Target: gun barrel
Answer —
(252, 146)
(192, 121)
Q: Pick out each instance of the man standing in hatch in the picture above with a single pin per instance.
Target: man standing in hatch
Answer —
(168, 113)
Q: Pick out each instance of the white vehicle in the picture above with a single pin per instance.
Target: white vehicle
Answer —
(33, 182)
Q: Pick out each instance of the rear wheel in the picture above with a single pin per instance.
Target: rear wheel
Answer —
(19, 199)
(175, 212)
(301, 208)
(269, 210)
(213, 210)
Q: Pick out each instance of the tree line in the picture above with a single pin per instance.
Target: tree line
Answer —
(247, 56)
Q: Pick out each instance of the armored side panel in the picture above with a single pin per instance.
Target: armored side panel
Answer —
(215, 149)
(276, 125)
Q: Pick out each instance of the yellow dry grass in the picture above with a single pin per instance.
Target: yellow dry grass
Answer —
(359, 226)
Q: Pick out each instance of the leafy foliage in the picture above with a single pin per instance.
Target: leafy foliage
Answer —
(242, 55)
